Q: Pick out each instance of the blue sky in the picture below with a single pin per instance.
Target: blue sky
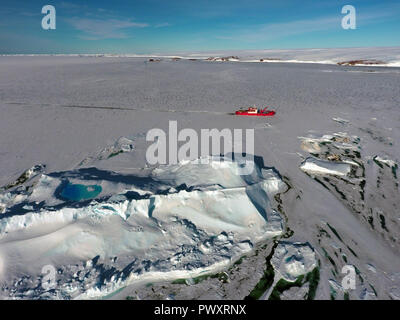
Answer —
(150, 26)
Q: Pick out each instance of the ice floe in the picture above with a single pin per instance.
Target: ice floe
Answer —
(293, 259)
(321, 167)
(155, 235)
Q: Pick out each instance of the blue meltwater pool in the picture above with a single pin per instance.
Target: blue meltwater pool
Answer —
(79, 192)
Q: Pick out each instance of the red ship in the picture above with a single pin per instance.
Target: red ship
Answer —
(255, 112)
